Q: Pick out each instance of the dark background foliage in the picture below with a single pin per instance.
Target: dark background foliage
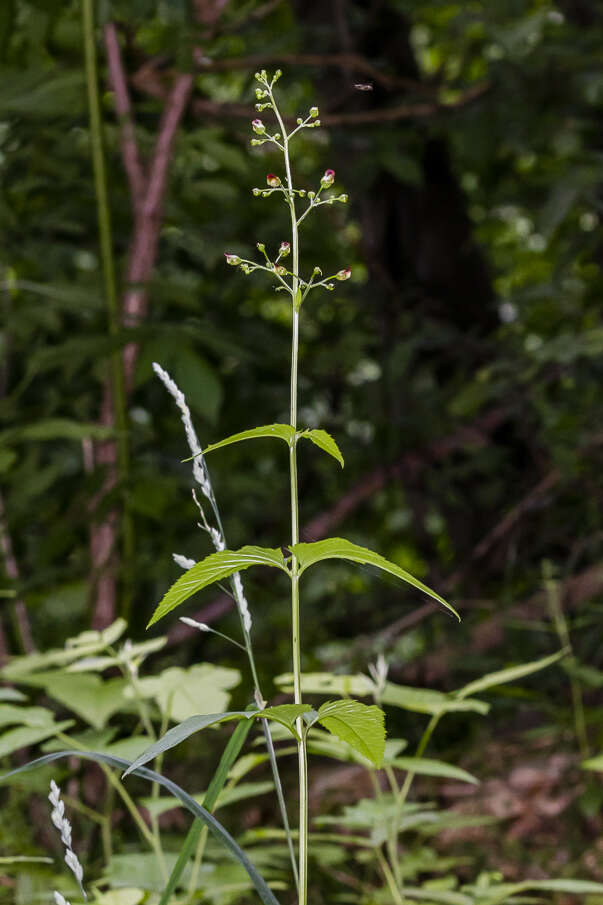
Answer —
(459, 369)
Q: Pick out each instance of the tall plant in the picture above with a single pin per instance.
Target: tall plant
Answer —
(360, 725)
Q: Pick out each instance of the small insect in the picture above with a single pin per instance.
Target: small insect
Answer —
(364, 87)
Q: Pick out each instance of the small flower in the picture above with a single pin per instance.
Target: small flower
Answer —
(313, 112)
(280, 270)
(327, 179)
(233, 260)
(273, 181)
(344, 274)
(72, 862)
(201, 626)
(258, 126)
(284, 249)
(343, 198)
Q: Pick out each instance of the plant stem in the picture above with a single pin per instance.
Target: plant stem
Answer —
(295, 620)
(113, 308)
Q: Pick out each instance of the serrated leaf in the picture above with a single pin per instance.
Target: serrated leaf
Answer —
(213, 568)
(280, 431)
(426, 766)
(339, 548)
(511, 674)
(285, 714)
(325, 442)
(362, 726)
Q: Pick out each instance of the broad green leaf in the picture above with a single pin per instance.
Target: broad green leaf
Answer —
(511, 674)
(229, 756)
(325, 442)
(84, 645)
(338, 548)
(213, 568)
(136, 652)
(285, 714)
(265, 893)
(426, 700)
(183, 693)
(91, 698)
(24, 736)
(326, 745)
(25, 716)
(327, 683)
(593, 763)
(425, 766)
(281, 431)
(360, 725)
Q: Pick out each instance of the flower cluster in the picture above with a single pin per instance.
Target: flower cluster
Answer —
(63, 825)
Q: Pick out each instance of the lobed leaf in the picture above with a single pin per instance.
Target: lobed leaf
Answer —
(213, 568)
(339, 548)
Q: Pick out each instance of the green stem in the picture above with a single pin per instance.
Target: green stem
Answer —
(113, 308)
(295, 620)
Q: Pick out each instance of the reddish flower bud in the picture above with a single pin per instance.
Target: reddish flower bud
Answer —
(234, 260)
(284, 249)
(280, 270)
(273, 181)
(258, 126)
(344, 274)
(327, 179)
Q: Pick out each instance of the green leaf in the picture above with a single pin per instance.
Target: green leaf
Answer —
(229, 756)
(285, 714)
(425, 766)
(493, 895)
(325, 442)
(265, 893)
(181, 732)
(24, 736)
(338, 548)
(327, 683)
(511, 674)
(25, 716)
(593, 763)
(213, 568)
(426, 700)
(91, 698)
(183, 693)
(281, 431)
(362, 726)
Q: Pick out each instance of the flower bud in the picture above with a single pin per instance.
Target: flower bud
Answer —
(313, 112)
(327, 179)
(280, 270)
(258, 126)
(260, 246)
(273, 181)
(233, 260)
(257, 192)
(343, 198)
(344, 274)
(284, 249)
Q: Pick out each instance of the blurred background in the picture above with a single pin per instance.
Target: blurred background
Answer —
(459, 368)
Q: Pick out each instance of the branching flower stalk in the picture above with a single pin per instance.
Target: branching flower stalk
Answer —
(298, 288)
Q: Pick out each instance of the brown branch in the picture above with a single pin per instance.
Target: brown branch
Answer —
(123, 108)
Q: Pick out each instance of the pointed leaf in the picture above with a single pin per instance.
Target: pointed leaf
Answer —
(213, 568)
(285, 714)
(223, 836)
(325, 441)
(338, 548)
(181, 732)
(511, 674)
(427, 700)
(281, 431)
(229, 756)
(361, 726)
(425, 766)
(24, 736)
